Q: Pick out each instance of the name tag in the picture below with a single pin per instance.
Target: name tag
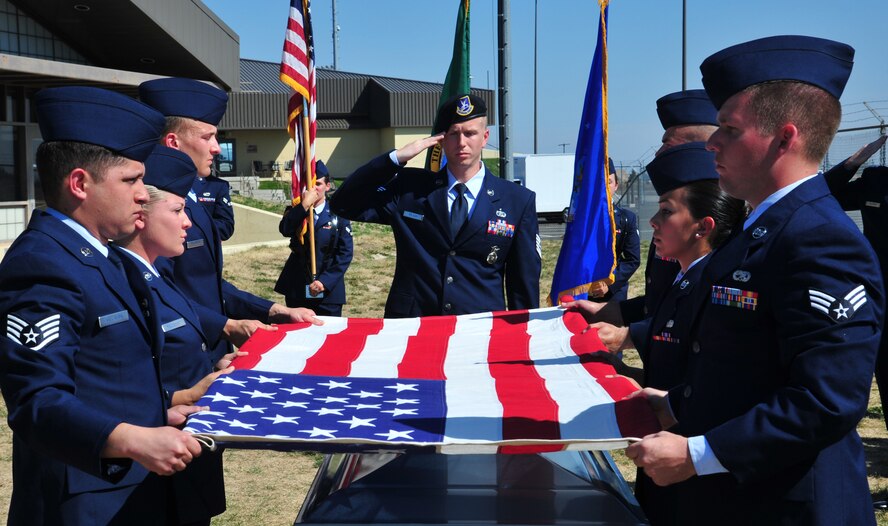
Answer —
(874, 204)
(194, 244)
(413, 215)
(175, 324)
(113, 319)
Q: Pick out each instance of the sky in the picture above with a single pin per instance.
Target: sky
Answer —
(413, 39)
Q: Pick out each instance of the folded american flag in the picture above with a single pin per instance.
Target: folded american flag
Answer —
(516, 381)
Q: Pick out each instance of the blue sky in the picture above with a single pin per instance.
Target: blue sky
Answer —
(413, 39)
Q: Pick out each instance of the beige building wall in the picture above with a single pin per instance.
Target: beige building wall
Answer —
(343, 151)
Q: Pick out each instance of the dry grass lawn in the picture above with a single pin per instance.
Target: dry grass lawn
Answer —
(267, 487)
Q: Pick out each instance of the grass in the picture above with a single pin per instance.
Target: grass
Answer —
(267, 487)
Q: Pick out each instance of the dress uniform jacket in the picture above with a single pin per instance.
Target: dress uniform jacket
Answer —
(333, 254)
(658, 276)
(199, 489)
(198, 274)
(785, 324)
(869, 194)
(77, 361)
(628, 249)
(436, 274)
(215, 194)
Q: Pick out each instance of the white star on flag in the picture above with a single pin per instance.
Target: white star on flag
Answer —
(366, 394)
(316, 432)
(297, 390)
(399, 401)
(265, 380)
(212, 413)
(278, 419)
(357, 422)
(398, 412)
(288, 403)
(333, 384)
(258, 394)
(227, 380)
(249, 409)
(332, 399)
(326, 411)
(219, 397)
(364, 406)
(193, 420)
(238, 423)
(392, 434)
(402, 387)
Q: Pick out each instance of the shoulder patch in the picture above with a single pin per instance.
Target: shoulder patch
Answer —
(838, 309)
(35, 335)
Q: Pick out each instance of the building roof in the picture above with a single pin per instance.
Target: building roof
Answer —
(346, 100)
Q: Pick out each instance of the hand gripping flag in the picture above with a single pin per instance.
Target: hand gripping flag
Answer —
(503, 382)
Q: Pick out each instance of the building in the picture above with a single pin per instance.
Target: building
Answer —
(114, 44)
(359, 117)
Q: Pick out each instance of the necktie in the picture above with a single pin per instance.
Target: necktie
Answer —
(460, 209)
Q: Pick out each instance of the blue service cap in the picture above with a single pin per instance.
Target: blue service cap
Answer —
(321, 170)
(175, 97)
(459, 108)
(170, 170)
(686, 107)
(100, 117)
(681, 165)
(817, 61)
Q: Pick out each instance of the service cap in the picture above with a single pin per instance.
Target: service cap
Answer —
(681, 165)
(686, 107)
(170, 170)
(177, 97)
(459, 108)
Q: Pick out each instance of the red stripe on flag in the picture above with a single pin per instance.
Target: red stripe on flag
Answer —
(424, 357)
(528, 410)
(634, 416)
(263, 341)
(340, 350)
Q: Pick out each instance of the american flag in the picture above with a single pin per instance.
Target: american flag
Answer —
(516, 381)
(298, 72)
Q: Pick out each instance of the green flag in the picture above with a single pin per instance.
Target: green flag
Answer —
(457, 80)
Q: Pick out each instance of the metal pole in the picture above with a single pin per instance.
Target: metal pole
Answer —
(335, 38)
(505, 95)
(684, 45)
(536, 86)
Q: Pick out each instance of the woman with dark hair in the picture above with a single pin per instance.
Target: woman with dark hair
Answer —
(695, 217)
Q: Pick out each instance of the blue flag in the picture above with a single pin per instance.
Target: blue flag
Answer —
(587, 253)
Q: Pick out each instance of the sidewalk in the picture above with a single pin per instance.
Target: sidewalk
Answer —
(253, 228)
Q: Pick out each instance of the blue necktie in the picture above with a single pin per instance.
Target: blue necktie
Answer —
(459, 212)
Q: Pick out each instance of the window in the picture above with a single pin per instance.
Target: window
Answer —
(225, 164)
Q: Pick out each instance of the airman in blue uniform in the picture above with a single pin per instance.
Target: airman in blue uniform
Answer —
(185, 367)
(325, 292)
(786, 318)
(192, 110)
(215, 194)
(467, 241)
(79, 363)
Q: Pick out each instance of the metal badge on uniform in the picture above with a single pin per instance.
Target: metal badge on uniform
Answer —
(86, 252)
(413, 215)
(38, 335)
(731, 297)
(742, 276)
(197, 243)
(759, 232)
(490, 193)
(206, 194)
(148, 276)
(493, 255)
(327, 226)
(670, 323)
(113, 319)
(838, 308)
(684, 284)
(874, 204)
(500, 228)
(500, 213)
(171, 325)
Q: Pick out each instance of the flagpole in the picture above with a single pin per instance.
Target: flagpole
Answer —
(309, 179)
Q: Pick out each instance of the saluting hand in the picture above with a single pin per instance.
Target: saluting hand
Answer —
(411, 150)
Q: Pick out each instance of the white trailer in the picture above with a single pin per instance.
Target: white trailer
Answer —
(550, 176)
